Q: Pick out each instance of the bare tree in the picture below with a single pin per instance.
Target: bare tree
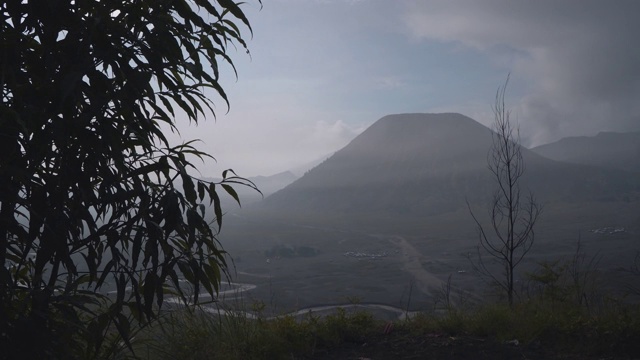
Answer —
(513, 215)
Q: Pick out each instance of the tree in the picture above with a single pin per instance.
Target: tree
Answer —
(512, 215)
(93, 193)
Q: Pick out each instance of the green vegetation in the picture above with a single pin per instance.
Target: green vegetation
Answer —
(200, 335)
(559, 317)
(561, 329)
(102, 221)
(95, 198)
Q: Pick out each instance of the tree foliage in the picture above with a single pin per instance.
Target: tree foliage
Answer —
(94, 196)
(513, 215)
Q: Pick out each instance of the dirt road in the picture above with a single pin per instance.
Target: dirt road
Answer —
(412, 260)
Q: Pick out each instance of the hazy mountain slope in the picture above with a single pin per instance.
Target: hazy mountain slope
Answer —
(607, 149)
(300, 170)
(423, 164)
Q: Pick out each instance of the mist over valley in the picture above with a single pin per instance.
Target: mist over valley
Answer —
(312, 179)
(386, 219)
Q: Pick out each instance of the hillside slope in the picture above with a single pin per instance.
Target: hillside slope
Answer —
(422, 164)
(607, 149)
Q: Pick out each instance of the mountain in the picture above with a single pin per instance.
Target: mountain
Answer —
(300, 170)
(607, 149)
(424, 164)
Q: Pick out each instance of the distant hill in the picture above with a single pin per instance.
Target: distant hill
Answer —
(422, 164)
(607, 149)
(300, 170)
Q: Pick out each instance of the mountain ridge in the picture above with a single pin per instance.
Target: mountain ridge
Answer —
(612, 150)
(425, 164)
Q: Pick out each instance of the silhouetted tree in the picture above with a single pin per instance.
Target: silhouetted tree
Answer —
(91, 190)
(512, 215)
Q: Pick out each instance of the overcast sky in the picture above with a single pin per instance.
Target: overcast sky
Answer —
(321, 71)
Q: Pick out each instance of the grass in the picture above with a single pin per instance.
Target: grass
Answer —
(188, 334)
(563, 328)
(562, 312)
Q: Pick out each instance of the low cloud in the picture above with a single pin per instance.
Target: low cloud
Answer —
(581, 59)
(255, 143)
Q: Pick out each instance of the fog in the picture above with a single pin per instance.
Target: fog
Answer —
(312, 87)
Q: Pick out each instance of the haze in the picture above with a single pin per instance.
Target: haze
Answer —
(321, 71)
(397, 97)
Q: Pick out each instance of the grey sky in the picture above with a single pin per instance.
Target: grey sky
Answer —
(322, 70)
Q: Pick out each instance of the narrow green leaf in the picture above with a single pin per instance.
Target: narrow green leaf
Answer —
(201, 190)
(188, 187)
(231, 191)
(217, 209)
